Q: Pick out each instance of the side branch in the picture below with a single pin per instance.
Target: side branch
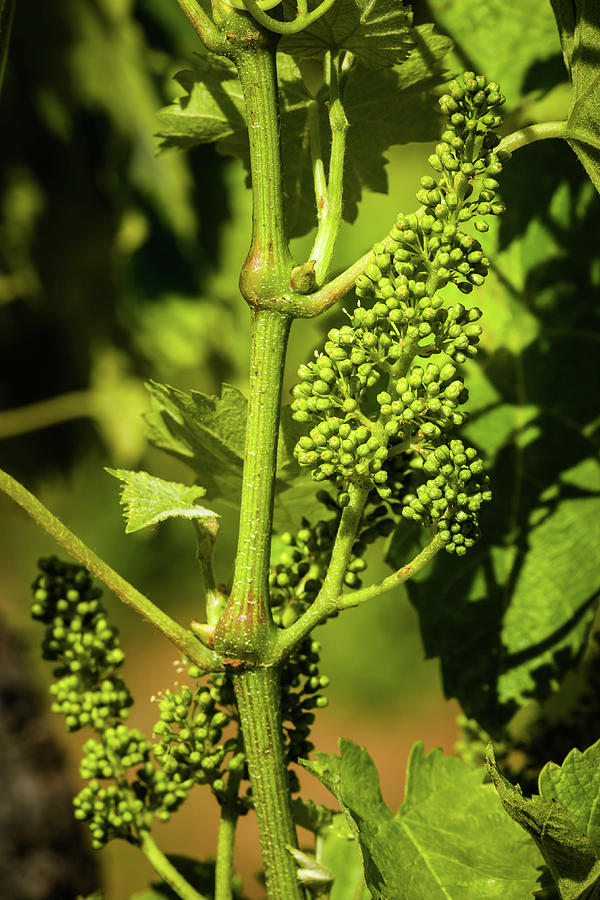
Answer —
(324, 607)
(183, 639)
(210, 36)
(539, 132)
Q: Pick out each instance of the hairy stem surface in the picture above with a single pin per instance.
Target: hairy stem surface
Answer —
(244, 629)
(259, 703)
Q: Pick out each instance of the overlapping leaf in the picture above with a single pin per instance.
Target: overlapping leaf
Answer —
(512, 617)
(387, 107)
(450, 838)
(579, 27)
(148, 500)
(562, 820)
(377, 32)
(511, 41)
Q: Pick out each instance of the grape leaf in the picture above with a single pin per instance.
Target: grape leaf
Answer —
(208, 433)
(510, 41)
(212, 108)
(576, 785)
(449, 839)
(377, 32)
(383, 108)
(567, 849)
(512, 617)
(579, 28)
(147, 500)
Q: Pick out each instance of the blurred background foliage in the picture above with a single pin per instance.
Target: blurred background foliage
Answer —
(118, 264)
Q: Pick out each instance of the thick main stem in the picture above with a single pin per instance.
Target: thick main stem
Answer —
(266, 271)
(244, 630)
(259, 703)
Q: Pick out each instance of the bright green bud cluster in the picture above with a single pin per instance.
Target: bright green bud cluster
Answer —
(450, 500)
(79, 638)
(190, 732)
(120, 749)
(111, 811)
(94, 708)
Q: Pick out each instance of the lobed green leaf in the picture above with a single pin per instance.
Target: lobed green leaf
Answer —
(579, 27)
(449, 838)
(383, 108)
(148, 500)
(570, 854)
(376, 32)
(513, 617)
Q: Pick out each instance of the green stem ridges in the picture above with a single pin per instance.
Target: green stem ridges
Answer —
(167, 870)
(266, 271)
(259, 704)
(246, 627)
(183, 639)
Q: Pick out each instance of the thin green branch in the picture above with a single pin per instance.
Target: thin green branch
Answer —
(74, 405)
(331, 215)
(225, 843)
(301, 21)
(318, 167)
(206, 30)
(183, 639)
(344, 541)
(539, 132)
(167, 870)
(325, 606)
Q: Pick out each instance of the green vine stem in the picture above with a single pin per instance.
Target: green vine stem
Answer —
(324, 606)
(266, 271)
(539, 132)
(303, 18)
(74, 405)
(259, 704)
(344, 541)
(331, 212)
(246, 627)
(166, 869)
(225, 844)
(203, 26)
(183, 639)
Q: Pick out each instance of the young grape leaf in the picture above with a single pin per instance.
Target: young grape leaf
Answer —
(147, 500)
(576, 785)
(449, 839)
(579, 28)
(512, 617)
(208, 433)
(393, 106)
(566, 847)
(377, 32)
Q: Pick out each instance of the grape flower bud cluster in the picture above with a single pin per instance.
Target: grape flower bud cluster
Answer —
(367, 404)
